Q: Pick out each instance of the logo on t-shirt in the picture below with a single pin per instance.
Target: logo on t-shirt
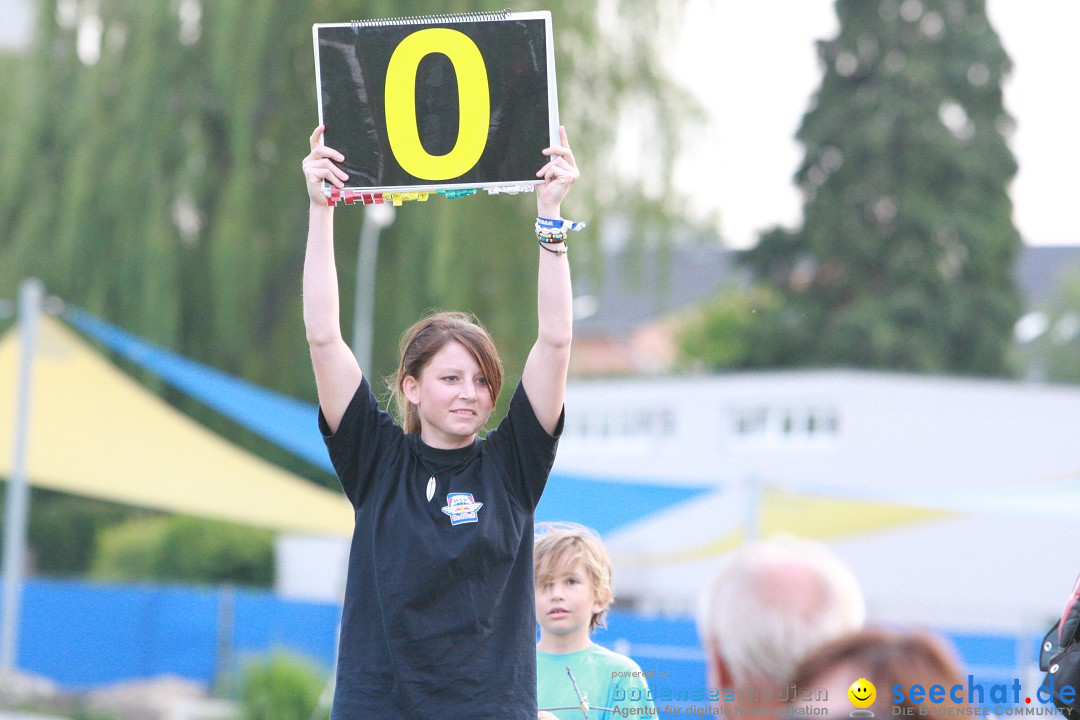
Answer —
(461, 508)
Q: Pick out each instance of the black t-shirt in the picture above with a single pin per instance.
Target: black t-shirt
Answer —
(439, 619)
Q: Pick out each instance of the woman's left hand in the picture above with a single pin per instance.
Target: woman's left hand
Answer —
(559, 174)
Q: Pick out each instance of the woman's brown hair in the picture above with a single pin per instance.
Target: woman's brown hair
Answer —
(887, 658)
(425, 338)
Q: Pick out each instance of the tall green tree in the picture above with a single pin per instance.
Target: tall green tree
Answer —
(151, 174)
(905, 253)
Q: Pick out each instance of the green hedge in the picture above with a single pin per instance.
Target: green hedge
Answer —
(184, 549)
(282, 686)
(62, 530)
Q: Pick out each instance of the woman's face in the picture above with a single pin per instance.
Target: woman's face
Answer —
(452, 397)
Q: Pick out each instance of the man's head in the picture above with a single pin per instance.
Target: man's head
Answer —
(773, 604)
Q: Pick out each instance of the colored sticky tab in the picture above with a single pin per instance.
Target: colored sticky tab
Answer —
(402, 197)
(454, 194)
(335, 195)
(509, 189)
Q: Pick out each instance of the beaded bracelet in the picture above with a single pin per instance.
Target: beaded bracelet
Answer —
(551, 237)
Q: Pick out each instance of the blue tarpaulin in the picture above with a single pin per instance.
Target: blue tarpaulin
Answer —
(603, 504)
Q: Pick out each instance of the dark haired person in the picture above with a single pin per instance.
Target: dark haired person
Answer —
(887, 657)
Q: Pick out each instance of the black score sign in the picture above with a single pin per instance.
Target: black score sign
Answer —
(454, 102)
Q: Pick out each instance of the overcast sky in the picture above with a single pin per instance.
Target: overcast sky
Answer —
(757, 69)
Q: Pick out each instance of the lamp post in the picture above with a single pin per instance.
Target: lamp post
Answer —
(18, 499)
(376, 217)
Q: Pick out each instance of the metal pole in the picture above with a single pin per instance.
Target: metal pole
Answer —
(363, 322)
(18, 499)
(226, 634)
(376, 217)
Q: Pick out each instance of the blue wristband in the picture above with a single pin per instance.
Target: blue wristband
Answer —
(547, 224)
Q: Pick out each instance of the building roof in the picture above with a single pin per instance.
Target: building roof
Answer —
(638, 286)
(1039, 268)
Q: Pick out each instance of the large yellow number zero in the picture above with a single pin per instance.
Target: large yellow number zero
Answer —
(474, 104)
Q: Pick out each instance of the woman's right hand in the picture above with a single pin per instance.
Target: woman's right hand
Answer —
(317, 167)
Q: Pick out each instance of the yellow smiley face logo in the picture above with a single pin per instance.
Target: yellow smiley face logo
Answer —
(862, 693)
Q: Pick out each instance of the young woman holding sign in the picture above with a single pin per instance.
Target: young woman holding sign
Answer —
(438, 614)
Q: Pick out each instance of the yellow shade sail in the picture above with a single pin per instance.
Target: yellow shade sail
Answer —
(826, 519)
(95, 432)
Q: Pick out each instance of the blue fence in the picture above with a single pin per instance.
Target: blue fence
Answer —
(84, 635)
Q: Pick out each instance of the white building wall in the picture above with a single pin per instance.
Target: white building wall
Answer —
(311, 568)
(836, 427)
(984, 450)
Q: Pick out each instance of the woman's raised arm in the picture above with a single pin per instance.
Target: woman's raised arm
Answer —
(337, 374)
(544, 377)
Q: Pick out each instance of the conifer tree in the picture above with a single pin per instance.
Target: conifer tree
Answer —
(904, 258)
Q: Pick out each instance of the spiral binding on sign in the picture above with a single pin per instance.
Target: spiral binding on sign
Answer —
(431, 19)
